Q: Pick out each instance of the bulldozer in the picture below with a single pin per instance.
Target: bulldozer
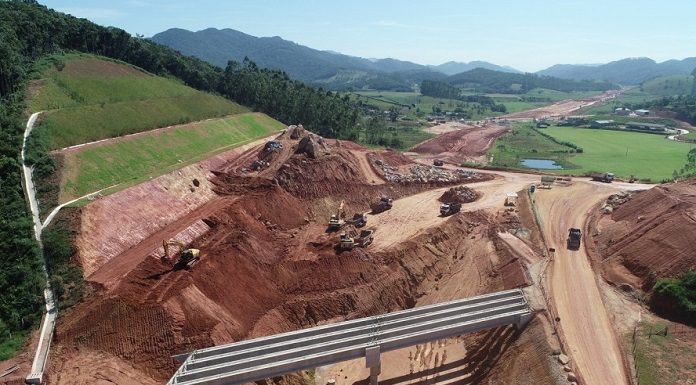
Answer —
(187, 258)
(336, 221)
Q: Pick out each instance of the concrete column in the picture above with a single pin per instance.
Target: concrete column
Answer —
(372, 361)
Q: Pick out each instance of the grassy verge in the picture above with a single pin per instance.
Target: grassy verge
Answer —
(152, 154)
(65, 274)
(10, 346)
(663, 359)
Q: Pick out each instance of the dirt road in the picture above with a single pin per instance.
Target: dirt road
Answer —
(585, 325)
(413, 214)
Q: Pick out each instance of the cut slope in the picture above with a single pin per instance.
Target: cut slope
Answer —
(90, 98)
(651, 235)
(125, 160)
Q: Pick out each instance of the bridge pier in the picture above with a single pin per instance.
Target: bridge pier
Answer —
(373, 361)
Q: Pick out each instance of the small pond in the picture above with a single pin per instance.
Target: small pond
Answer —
(544, 164)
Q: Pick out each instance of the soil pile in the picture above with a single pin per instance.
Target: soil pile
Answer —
(651, 235)
(459, 194)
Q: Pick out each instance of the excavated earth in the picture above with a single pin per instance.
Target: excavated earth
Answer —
(267, 263)
(464, 145)
(649, 235)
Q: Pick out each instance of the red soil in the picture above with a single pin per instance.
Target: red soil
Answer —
(651, 235)
(469, 144)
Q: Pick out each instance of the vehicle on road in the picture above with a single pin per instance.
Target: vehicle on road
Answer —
(605, 177)
(447, 209)
(384, 204)
(438, 162)
(574, 236)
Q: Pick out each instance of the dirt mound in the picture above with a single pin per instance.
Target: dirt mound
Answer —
(469, 144)
(651, 235)
(459, 194)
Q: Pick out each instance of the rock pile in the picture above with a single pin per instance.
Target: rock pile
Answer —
(460, 194)
(421, 173)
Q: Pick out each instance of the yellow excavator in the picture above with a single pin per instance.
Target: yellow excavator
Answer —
(336, 221)
(188, 257)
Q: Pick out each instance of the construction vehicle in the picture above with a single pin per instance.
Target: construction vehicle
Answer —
(187, 258)
(383, 204)
(347, 242)
(359, 220)
(450, 208)
(336, 221)
(438, 163)
(574, 236)
(511, 199)
(605, 177)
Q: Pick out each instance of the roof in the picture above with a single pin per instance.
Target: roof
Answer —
(512, 195)
(604, 121)
(641, 124)
(642, 111)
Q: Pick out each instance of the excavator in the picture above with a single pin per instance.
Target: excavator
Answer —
(336, 221)
(188, 257)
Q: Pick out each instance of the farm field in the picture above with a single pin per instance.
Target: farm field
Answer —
(623, 153)
(669, 85)
(88, 98)
(647, 156)
(130, 160)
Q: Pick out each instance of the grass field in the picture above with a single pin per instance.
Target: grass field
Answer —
(138, 158)
(646, 156)
(629, 97)
(624, 153)
(524, 143)
(88, 98)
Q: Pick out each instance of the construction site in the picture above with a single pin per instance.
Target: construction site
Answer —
(296, 231)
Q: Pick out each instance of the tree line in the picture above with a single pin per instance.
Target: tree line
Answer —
(30, 31)
(438, 89)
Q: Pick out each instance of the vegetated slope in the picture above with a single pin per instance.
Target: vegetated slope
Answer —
(670, 85)
(628, 71)
(651, 235)
(129, 160)
(89, 98)
(268, 265)
(484, 80)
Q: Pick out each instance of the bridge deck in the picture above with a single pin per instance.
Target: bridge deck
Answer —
(279, 354)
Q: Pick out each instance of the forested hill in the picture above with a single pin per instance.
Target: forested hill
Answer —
(30, 31)
(484, 80)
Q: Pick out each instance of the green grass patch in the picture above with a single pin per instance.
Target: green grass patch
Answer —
(523, 142)
(135, 159)
(623, 153)
(10, 345)
(630, 97)
(662, 358)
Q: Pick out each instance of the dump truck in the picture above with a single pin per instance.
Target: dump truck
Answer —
(450, 208)
(383, 204)
(605, 177)
(438, 162)
(359, 220)
(363, 240)
(574, 236)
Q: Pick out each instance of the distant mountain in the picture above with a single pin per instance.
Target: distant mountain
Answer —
(629, 71)
(328, 69)
(485, 81)
(452, 67)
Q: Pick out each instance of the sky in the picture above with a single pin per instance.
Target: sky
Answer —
(525, 34)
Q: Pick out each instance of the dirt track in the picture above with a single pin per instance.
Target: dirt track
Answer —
(586, 328)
